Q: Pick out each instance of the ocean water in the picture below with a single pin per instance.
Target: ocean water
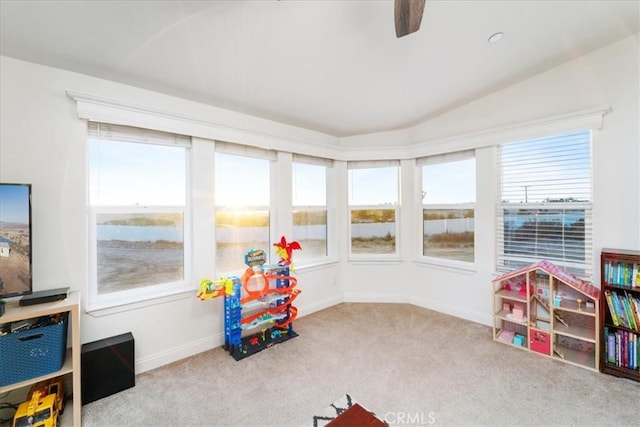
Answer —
(137, 233)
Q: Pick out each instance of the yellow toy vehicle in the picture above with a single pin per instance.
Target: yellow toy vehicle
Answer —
(44, 407)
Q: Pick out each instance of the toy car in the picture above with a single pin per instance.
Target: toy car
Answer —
(45, 405)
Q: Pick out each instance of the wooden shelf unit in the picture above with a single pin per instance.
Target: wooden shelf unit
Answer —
(613, 263)
(71, 366)
(566, 330)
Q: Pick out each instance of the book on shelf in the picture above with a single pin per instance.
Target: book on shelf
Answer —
(611, 346)
(622, 349)
(620, 311)
(622, 273)
(612, 311)
(624, 309)
(629, 306)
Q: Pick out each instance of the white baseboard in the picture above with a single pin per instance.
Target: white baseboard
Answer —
(307, 309)
(473, 316)
(375, 298)
(174, 354)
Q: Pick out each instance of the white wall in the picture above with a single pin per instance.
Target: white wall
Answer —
(42, 141)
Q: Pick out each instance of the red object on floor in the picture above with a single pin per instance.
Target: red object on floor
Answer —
(356, 416)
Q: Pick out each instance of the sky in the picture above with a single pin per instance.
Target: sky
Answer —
(452, 182)
(14, 203)
(127, 174)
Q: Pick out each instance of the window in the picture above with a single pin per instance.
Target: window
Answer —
(309, 196)
(448, 206)
(373, 207)
(544, 211)
(139, 214)
(242, 201)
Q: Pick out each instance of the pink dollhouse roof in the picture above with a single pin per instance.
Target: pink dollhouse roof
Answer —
(559, 272)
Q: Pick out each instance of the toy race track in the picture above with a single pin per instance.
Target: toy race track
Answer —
(259, 304)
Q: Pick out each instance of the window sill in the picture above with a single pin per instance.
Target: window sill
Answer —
(374, 261)
(315, 265)
(467, 268)
(115, 307)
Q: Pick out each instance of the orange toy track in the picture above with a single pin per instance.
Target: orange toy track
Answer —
(256, 294)
(253, 295)
(277, 310)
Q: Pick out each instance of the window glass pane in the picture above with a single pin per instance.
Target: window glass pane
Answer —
(532, 235)
(373, 186)
(238, 231)
(373, 226)
(373, 231)
(449, 233)
(452, 182)
(137, 250)
(127, 174)
(310, 230)
(309, 195)
(449, 195)
(556, 169)
(309, 184)
(242, 209)
(241, 181)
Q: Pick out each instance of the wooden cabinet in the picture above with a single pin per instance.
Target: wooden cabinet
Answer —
(545, 309)
(620, 312)
(71, 366)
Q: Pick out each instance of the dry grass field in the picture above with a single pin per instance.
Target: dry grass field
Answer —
(14, 269)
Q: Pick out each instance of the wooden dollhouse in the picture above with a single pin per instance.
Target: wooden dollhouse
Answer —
(545, 309)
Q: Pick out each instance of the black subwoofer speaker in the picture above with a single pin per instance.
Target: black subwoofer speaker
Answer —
(108, 366)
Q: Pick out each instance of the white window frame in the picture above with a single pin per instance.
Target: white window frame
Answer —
(271, 156)
(113, 300)
(439, 159)
(395, 207)
(328, 165)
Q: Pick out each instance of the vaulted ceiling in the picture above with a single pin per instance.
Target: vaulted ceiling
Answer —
(331, 66)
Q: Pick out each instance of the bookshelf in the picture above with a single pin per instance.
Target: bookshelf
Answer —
(620, 312)
(71, 368)
(544, 309)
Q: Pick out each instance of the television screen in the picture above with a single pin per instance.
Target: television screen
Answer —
(15, 239)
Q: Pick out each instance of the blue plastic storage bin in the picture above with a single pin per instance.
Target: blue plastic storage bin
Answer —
(34, 352)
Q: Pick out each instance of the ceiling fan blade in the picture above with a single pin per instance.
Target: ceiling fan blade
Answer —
(408, 15)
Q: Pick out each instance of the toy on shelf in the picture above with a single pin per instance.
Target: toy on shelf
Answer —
(262, 297)
(44, 405)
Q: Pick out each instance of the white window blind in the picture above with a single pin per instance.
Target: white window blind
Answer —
(121, 133)
(245, 150)
(446, 157)
(370, 164)
(544, 207)
(312, 160)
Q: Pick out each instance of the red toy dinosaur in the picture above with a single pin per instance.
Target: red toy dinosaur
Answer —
(285, 250)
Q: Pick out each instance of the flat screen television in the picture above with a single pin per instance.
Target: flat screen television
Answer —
(15, 240)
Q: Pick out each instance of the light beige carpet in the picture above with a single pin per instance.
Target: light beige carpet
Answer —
(403, 362)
